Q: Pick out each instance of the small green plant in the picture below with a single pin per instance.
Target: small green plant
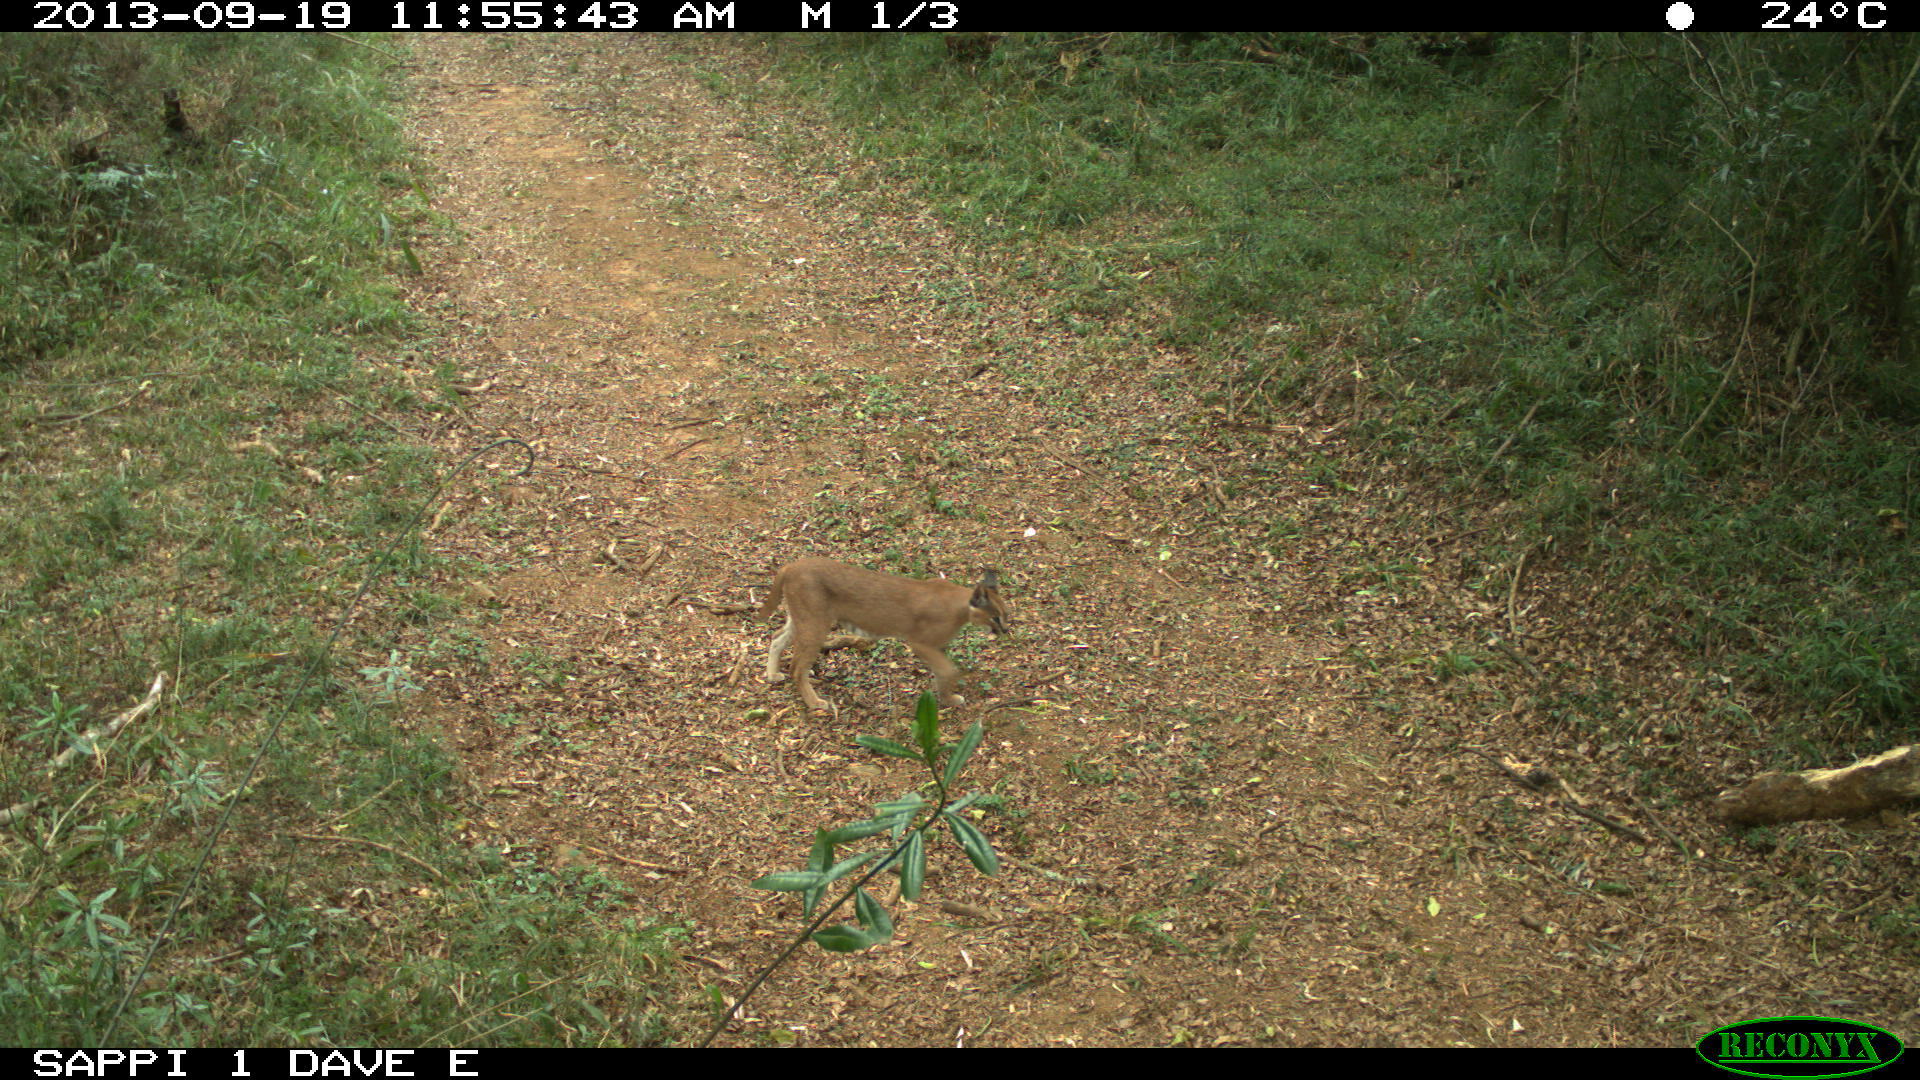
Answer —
(883, 399)
(60, 719)
(1094, 775)
(1391, 578)
(1042, 970)
(1455, 664)
(945, 507)
(88, 921)
(906, 821)
(909, 856)
(1901, 926)
(192, 787)
(537, 666)
(1157, 928)
(833, 514)
(391, 680)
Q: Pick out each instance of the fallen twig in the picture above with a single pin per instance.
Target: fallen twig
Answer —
(366, 412)
(1542, 779)
(1647, 816)
(364, 45)
(1535, 407)
(1085, 883)
(1002, 704)
(1513, 590)
(1516, 656)
(77, 417)
(684, 447)
(637, 478)
(1095, 481)
(428, 867)
(1617, 826)
(631, 862)
(658, 554)
(90, 742)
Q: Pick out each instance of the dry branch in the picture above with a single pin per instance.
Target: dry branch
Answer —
(1514, 434)
(390, 849)
(1544, 780)
(632, 862)
(1851, 791)
(90, 742)
(658, 553)
(74, 418)
(1516, 656)
(684, 447)
(1513, 590)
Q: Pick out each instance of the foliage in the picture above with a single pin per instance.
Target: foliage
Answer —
(194, 487)
(908, 855)
(1652, 293)
(896, 819)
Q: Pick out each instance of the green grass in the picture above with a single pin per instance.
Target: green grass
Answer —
(1642, 310)
(202, 447)
(1657, 313)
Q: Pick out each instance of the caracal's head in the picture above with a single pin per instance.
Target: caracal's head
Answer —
(986, 607)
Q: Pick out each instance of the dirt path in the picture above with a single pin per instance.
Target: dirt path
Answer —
(728, 361)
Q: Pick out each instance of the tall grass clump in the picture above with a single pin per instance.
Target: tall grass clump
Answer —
(1177, 176)
(1651, 294)
(1692, 262)
(201, 450)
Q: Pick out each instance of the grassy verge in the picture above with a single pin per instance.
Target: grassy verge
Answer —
(1631, 306)
(204, 450)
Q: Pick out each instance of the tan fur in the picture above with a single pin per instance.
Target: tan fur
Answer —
(925, 614)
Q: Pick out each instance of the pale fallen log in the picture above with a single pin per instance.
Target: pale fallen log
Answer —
(1852, 791)
(89, 743)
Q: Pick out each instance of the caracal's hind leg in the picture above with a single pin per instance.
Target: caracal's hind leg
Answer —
(780, 641)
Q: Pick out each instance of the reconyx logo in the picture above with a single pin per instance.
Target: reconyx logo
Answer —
(1799, 1047)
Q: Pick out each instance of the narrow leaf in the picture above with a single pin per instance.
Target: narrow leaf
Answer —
(790, 881)
(885, 746)
(963, 751)
(847, 866)
(842, 938)
(974, 843)
(859, 830)
(873, 916)
(413, 261)
(822, 854)
(926, 726)
(903, 808)
(913, 869)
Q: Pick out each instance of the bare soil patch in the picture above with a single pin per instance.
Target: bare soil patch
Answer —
(1241, 807)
